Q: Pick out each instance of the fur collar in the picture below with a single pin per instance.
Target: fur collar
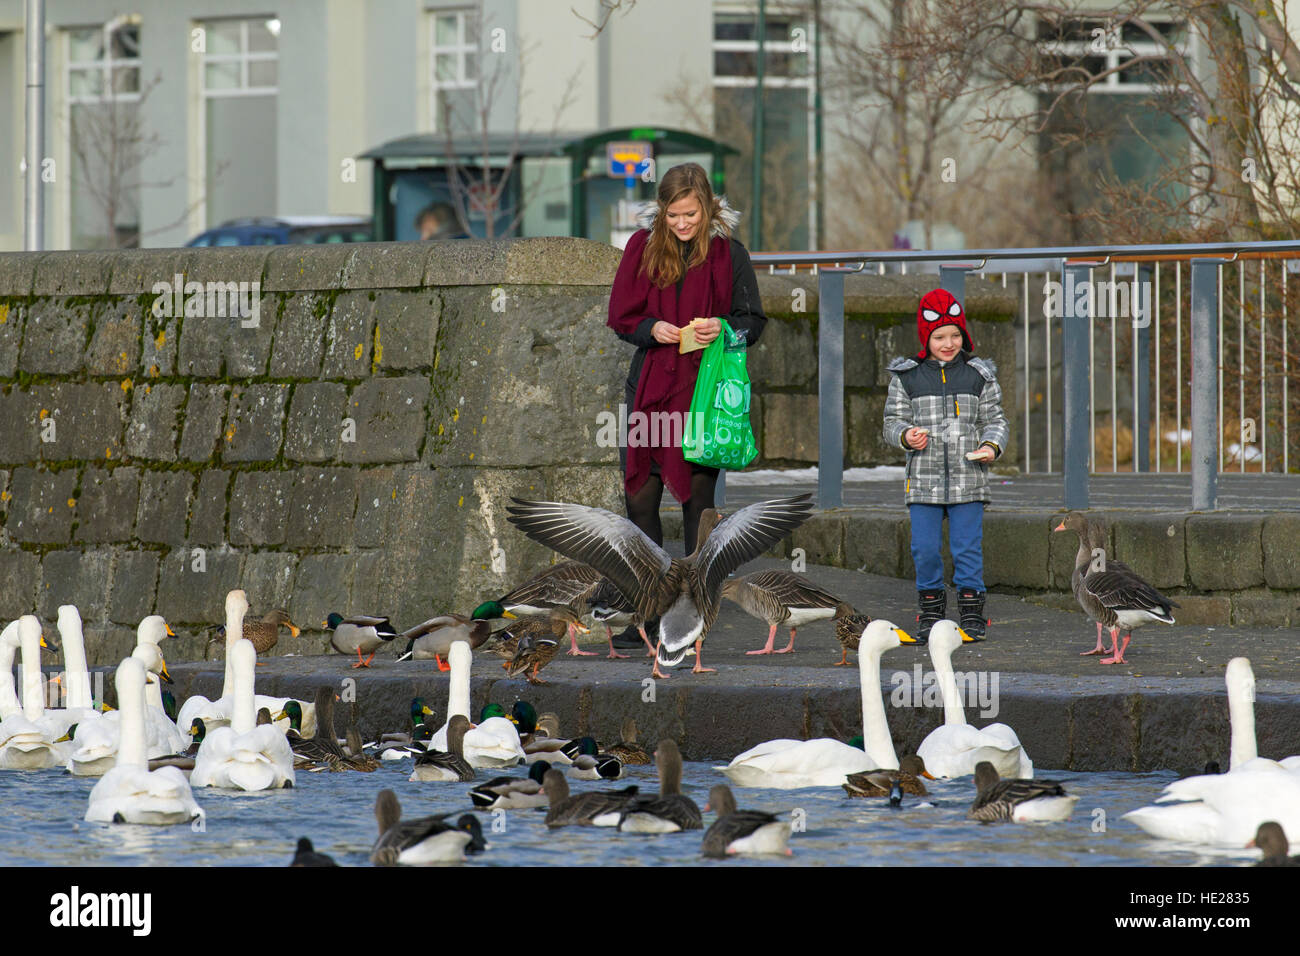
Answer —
(727, 215)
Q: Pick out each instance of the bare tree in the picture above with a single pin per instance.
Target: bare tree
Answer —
(607, 9)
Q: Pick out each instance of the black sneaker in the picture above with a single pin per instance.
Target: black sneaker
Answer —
(971, 605)
(630, 637)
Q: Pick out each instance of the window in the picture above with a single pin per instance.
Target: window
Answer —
(238, 76)
(454, 56)
(106, 139)
(787, 119)
(1096, 44)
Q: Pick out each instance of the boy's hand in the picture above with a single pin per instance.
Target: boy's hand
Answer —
(916, 438)
(983, 453)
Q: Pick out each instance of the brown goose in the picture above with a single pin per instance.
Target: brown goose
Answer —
(848, 631)
(566, 584)
(671, 810)
(742, 831)
(595, 808)
(683, 592)
(422, 840)
(628, 750)
(1109, 591)
(1271, 838)
(1018, 801)
(612, 609)
(357, 758)
(879, 783)
(783, 597)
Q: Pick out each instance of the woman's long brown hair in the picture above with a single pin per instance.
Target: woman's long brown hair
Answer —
(661, 261)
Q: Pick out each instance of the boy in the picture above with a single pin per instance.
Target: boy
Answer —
(945, 408)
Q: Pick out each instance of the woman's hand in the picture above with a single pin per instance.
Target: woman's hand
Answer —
(666, 333)
(706, 330)
(916, 438)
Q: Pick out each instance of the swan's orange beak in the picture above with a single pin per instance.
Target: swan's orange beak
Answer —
(168, 627)
(965, 638)
(904, 637)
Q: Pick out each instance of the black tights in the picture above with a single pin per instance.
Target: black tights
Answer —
(643, 507)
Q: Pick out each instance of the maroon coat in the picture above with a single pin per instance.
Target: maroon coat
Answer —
(667, 379)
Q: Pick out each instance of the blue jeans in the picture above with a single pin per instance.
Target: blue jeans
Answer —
(965, 540)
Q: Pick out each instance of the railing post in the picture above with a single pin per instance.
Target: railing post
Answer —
(1077, 455)
(1142, 317)
(952, 279)
(720, 489)
(830, 387)
(1205, 388)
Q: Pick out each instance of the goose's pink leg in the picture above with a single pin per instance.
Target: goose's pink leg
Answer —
(766, 648)
(649, 648)
(1100, 648)
(610, 634)
(655, 671)
(697, 669)
(573, 645)
(1118, 657)
(789, 648)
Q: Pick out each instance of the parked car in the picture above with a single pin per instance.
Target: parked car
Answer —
(279, 230)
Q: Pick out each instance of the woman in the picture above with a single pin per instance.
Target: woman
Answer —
(681, 265)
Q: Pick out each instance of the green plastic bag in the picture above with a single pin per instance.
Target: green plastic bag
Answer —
(717, 432)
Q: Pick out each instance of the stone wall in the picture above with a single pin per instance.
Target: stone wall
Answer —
(353, 452)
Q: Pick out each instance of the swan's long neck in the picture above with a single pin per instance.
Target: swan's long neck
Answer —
(234, 633)
(952, 710)
(153, 696)
(8, 690)
(875, 726)
(1241, 715)
(458, 692)
(76, 673)
(130, 694)
(243, 716)
(33, 685)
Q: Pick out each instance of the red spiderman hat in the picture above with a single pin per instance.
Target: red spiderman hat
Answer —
(937, 309)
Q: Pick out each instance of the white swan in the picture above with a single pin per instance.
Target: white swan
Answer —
(8, 692)
(80, 704)
(494, 742)
(953, 749)
(244, 756)
(217, 713)
(130, 792)
(789, 764)
(26, 742)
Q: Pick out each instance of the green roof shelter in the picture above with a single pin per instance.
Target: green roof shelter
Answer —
(550, 184)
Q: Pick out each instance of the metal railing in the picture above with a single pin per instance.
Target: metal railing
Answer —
(1077, 329)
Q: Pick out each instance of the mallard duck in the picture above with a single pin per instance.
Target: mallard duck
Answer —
(683, 592)
(1018, 801)
(671, 810)
(306, 855)
(1113, 595)
(848, 631)
(422, 840)
(1271, 838)
(359, 634)
(264, 632)
(418, 744)
(783, 597)
(449, 765)
(512, 793)
(880, 783)
(954, 748)
(628, 750)
(787, 764)
(565, 584)
(398, 744)
(551, 625)
(742, 832)
(433, 638)
(595, 808)
(322, 749)
(533, 652)
(130, 792)
(184, 759)
(244, 756)
(539, 736)
(589, 763)
(612, 609)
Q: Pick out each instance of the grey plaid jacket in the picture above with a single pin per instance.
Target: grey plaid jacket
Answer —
(961, 404)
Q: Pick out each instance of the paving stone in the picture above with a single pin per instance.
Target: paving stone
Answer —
(406, 329)
(300, 335)
(349, 335)
(323, 584)
(115, 345)
(208, 514)
(20, 427)
(164, 507)
(1281, 543)
(204, 416)
(259, 507)
(322, 505)
(42, 506)
(268, 582)
(255, 423)
(390, 420)
(315, 426)
(187, 595)
(54, 337)
(152, 429)
(89, 420)
(106, 504)
(75, 577)
(21, 572)
(134, 586)
(1224, 552)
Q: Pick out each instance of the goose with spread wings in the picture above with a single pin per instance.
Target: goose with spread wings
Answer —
(684, 593)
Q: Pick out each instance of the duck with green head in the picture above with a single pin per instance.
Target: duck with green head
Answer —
(432, 640)
(589, 763)
(512, 793)
(398, 744)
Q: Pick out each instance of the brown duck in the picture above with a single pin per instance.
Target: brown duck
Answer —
(879, 783)
(264, 633)
(566, 584)
(1109, 591)
(848, 631)
(628, 750)
(536, 641)
(683, 592)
